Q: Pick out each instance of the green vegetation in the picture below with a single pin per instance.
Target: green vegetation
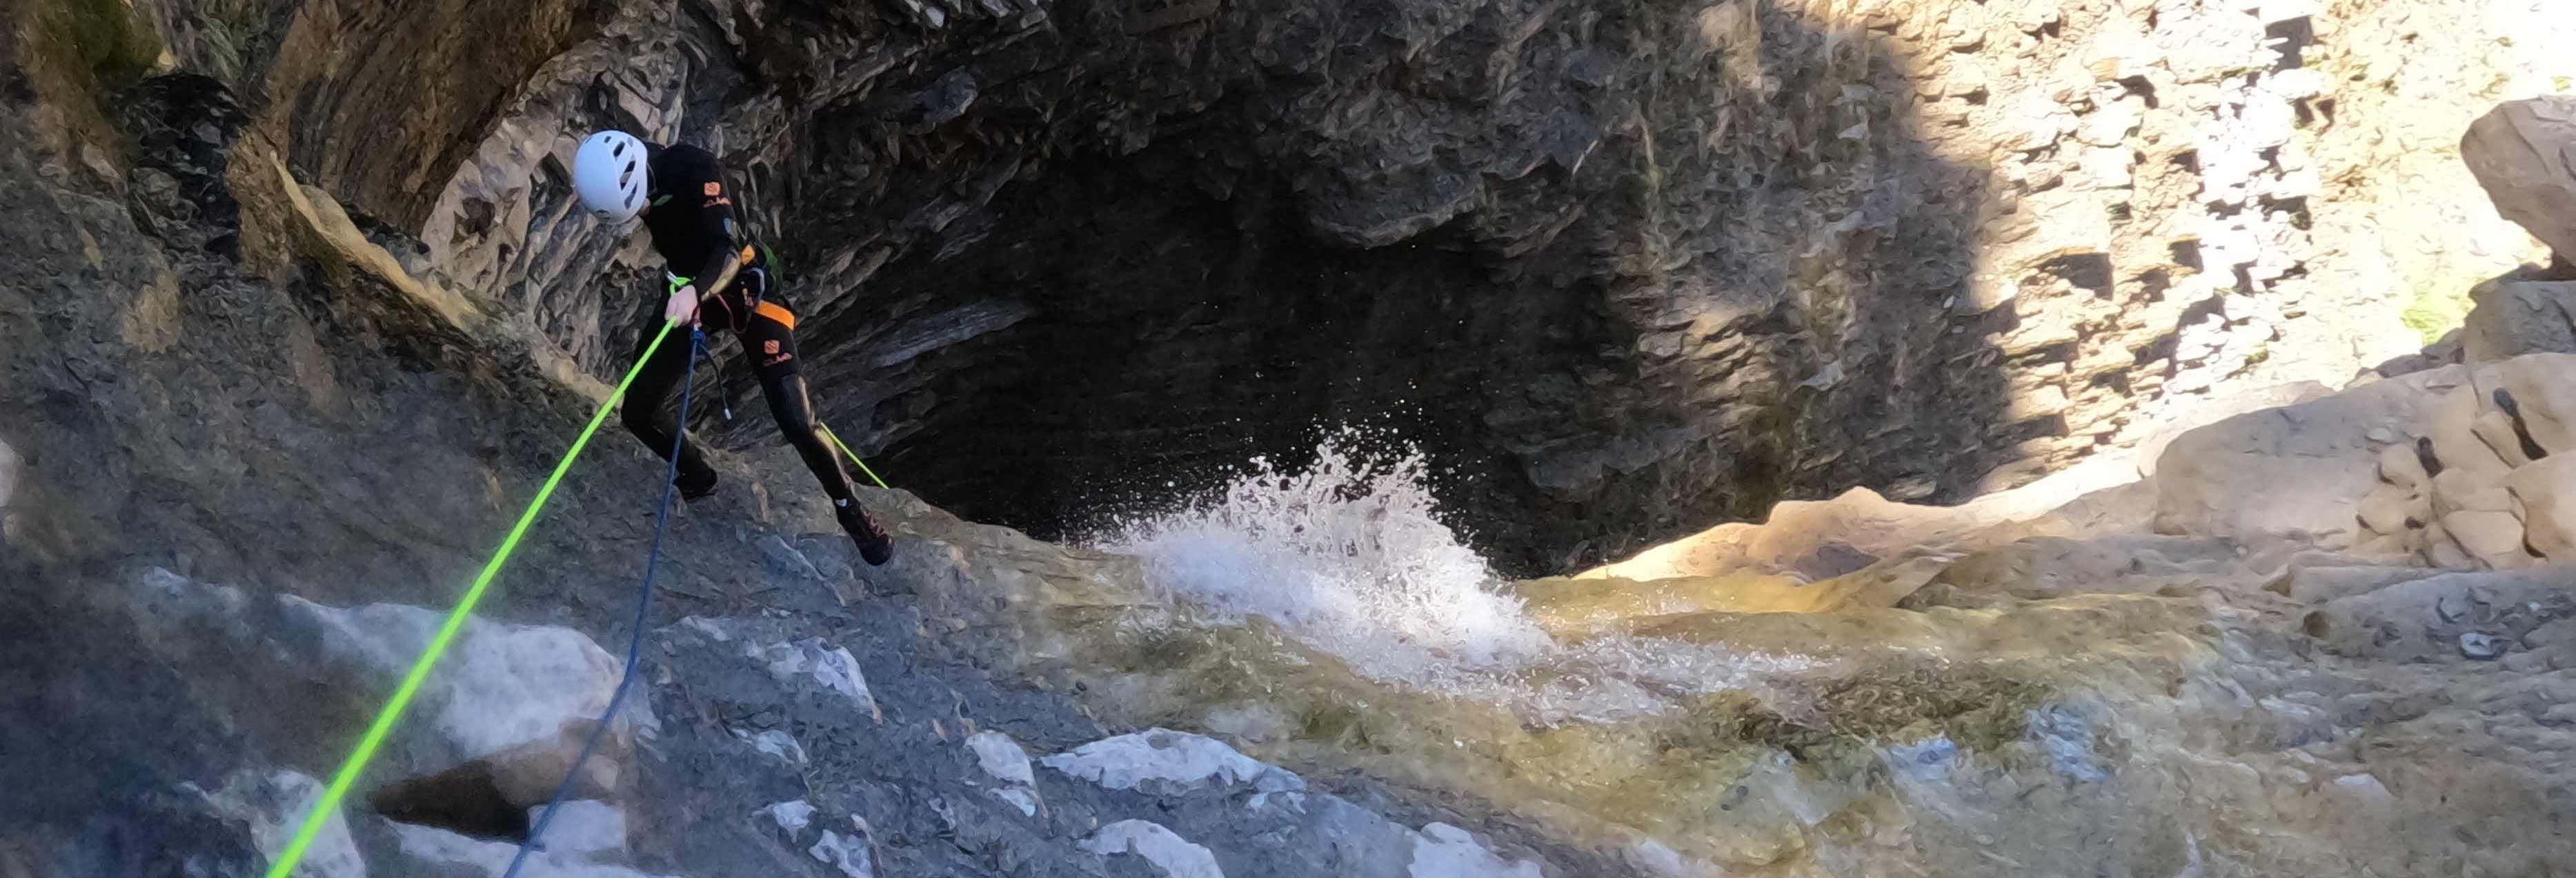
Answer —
(1978, 708)
(2433, 313)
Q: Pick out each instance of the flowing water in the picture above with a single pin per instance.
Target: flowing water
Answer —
(1349, 556)
(1329, 616)
(1324, 616)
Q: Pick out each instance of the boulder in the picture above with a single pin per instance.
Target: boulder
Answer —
(2543, 387)
(2392, 510)
(2304, 468)
(2517, 314)
(2383, 548)
(2494, 538)
(2224, 402)
(2360, 463)
(2399, 466)
(2524, 153)
(2547, 492)
(2456, 446)
(2466, 491)
(2496, 429)
(2443, 550)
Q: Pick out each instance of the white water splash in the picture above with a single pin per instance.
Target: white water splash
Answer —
(1348, 556)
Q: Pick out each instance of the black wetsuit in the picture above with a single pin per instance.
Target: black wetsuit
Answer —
(690, 214)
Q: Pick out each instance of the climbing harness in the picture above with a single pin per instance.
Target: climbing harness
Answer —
(643, 614)
(383, 725)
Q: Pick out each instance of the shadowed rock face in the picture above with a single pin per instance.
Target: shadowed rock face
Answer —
(1167, 333)
(1623, 269)
(1048, 256)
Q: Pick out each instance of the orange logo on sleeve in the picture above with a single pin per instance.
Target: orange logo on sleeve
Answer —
(769, 347)
(715, 188)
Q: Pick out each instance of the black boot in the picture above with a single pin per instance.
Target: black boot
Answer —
(874, 547)
(696, 487)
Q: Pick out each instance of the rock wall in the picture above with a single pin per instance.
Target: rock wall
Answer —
(250, 395)
(1624, 269)
(763, 747)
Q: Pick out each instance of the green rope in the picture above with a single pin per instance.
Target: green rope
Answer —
(393, 710)
(854, 456)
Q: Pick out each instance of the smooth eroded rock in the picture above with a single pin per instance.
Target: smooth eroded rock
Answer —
(2524, 153)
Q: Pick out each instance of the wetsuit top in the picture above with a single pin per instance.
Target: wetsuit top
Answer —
(691, 215)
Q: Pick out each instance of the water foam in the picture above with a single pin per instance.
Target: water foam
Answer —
(1348, 555)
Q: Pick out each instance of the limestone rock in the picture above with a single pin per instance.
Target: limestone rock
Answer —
(2390, 510)
(2544, 390)
(2546, 491)
(2441, 549)
(586, 838)
(2299, 468)
(271, 804)
(1159, 758)
(2456, 495)
(2317, 583)
(2455, 442)
(854, 855)
(1443, 849)
(2425, 618)
(2399, 466)
(2515, 315)
(1001, 757)
(1172, 855)
(2504, 436)
(2524, 153)
(824, 663)
(2494, 538)
(2465, 490)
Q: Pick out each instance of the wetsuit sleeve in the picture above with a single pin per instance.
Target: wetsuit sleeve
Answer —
(715, 226)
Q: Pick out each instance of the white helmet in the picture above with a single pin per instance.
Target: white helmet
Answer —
(609, 173)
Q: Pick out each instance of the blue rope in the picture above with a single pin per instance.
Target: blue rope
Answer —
(643, 613)
(721, 399)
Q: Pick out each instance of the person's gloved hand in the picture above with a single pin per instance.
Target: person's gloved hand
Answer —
(683, 306)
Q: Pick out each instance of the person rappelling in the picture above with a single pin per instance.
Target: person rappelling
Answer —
(732, 284)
